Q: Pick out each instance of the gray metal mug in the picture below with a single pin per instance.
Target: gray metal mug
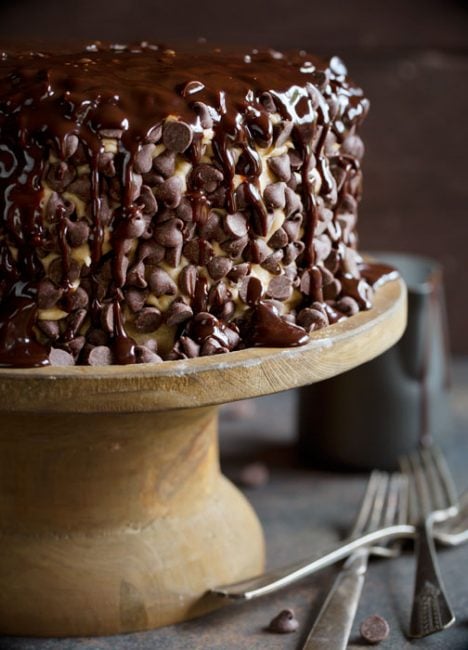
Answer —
(371, 415)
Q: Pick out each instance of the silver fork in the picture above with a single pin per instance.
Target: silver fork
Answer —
(385, 503)
(275, 579)
(432, 498)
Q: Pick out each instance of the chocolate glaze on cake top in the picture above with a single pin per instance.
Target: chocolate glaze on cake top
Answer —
(68, 104)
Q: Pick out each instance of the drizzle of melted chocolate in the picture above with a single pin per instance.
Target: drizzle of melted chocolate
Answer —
(18, 347)
(47, 97)
(377, 273)
(267, 328)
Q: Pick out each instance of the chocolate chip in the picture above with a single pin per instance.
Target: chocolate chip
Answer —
(280, 288)
(160, 282)
(206, 177)
(74, 346)
(332, 290)
(69, 145)
(184, 210)
(135, 299)
(77, 299)
(236, 224)
(55, 270)
(279, 239)
(150, 252)
(292, 227)
(254, 475)
(77, 233)
(101, 355)
(164, 164)
(58, 357)
(198, 251)
(107, 317)
(218, 267)
(169, 233)
(212, 346)
(273, 262)
(293, 202)
(59, 176)
(238, 272)
(189, 347)
(250, 290)
(147, 201)
(203, 112)
(295, 159)
(135, 186)
(178, 312)
(311, 319)
(333, 261)
(58, 207)
(48, 294)
(144, 159)
(353, 146)
(280, 166)
(282, 131)
(173, 256)
(105, 211)
(148, 320)
(292, 252)
(311, 283)
(374, 629)
(217, 296)
(49, 328)
(170, 192)
(274, 195)
(227, 311)
(81, 187)
(327, 276)
(212, 228)
(144, 355)
(136, 276)
(347, 306)
(154, 134)
(322, 247)
(284, 622)
(75, 320)
(131, 227)
(177, 135)
(334, 230)
(241, 195)
(256, 251)
(187, 279)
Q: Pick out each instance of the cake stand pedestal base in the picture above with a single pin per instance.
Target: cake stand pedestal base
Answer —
(112, 523)
(114, 516)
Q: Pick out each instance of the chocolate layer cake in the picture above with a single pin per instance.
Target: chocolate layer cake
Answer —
(164, 205)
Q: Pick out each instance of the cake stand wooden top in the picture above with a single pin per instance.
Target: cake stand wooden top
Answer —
(214, 379)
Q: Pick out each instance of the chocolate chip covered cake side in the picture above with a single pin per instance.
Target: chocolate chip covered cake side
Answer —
(165, 205)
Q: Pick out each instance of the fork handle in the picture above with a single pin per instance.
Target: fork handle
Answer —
(431, 610)
(332, 627)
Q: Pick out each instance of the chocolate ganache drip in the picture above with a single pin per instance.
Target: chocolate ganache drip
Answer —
(164, 205)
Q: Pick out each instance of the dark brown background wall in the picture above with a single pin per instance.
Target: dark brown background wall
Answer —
(411, 56)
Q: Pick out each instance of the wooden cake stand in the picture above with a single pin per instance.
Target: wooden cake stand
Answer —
(114, 516)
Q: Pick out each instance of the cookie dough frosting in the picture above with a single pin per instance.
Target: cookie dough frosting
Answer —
(164, 205)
